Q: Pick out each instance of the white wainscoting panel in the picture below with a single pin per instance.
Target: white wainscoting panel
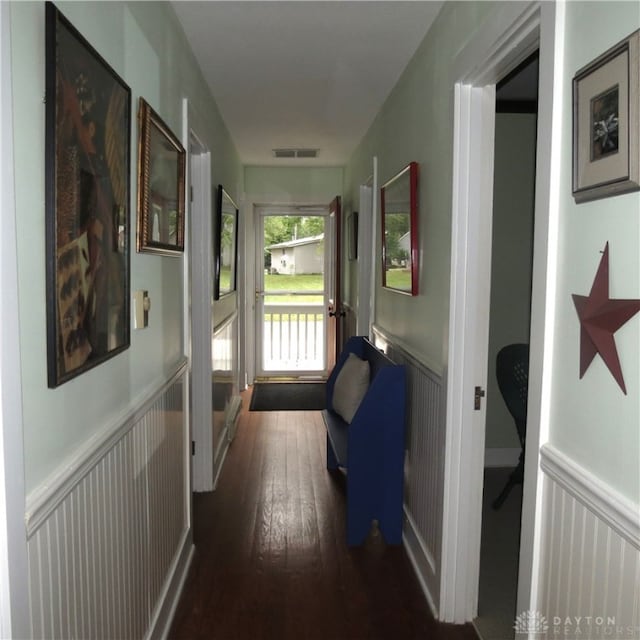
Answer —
(591, 555)
(225, 389)
(105, 542)
(424, 466)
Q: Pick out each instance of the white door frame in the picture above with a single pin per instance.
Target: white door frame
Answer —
(367, 225)
(198, 292)
(14, 592)
(502, 42)
(202, 319)
(260, 212)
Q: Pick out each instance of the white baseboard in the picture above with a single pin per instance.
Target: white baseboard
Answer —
(218, 470)
(221, 454)
(226, 438)
(161, 622)
(235, 407)
(421, 560)
(501, 457)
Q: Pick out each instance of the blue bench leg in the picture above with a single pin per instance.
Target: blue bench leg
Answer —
(391, 528)
(358, 526)
(360, 499)
(391, 514)
(332, 461)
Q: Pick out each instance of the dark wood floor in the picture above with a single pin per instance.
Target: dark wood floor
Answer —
(271, 559)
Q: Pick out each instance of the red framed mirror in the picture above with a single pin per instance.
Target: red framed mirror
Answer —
(399, 208)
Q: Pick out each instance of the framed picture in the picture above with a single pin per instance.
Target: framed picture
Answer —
(226, 245)
(161, 177)
(606, 123)
(399, 212)
(352, 229)
(87, 192)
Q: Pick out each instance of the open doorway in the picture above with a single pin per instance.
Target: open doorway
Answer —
(509, 324)
(509, 39)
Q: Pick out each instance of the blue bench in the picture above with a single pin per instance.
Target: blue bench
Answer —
(371, 448)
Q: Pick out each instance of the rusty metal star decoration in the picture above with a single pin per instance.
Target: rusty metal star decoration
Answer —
(600, 317)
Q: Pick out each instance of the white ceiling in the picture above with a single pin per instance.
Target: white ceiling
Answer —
(310, 74)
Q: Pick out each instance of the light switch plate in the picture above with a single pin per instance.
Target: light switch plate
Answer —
(141, 306)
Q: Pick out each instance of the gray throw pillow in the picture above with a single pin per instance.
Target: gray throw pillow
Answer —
(350, 387)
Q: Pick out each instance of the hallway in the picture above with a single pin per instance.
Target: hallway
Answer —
(271, 559)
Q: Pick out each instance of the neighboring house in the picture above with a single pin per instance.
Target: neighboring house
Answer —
(304, 255)
(95, 524)
(404, 242)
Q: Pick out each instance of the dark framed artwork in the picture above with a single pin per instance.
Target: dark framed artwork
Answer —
(226, 245)
(606, 123)
(87, 169)
(161, 178)
(399, 213)
(352, 230)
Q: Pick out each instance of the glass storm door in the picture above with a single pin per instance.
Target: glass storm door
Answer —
(292, 271)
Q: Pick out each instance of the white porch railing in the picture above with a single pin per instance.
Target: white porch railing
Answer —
(293, 337)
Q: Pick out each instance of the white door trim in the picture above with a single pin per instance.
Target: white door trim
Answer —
(474, 116)
(186, 307)
(367, 225)
(501, 43)
(14, 593)
(260, 213)
(198, 296)
(365, 228)
(543, 295)
(202, 319)
(377, 228)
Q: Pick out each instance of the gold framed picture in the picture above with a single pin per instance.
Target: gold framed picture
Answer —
(161, 176)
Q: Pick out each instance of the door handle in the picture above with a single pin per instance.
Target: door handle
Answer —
(337, 314)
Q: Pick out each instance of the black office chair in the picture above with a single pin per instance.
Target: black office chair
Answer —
(512, 371)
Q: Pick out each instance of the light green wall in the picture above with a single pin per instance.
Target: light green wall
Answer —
(146, 47)
(592, 421)
(279, 186)
(511, 261)
(293, 185)
(416, 123)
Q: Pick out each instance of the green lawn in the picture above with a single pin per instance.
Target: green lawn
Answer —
(396, 278)
(399, 279)
(225, 280)
(273, 283)
(303, 282)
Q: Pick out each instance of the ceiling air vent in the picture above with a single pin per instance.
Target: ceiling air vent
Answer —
(307, 153)
(295, 153)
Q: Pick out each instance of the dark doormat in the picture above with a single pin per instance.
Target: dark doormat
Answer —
(288, 396)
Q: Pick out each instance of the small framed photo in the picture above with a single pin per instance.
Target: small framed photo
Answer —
(606, 123)
(161, 177)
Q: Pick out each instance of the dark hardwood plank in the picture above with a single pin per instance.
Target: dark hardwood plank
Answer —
(271, 558)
